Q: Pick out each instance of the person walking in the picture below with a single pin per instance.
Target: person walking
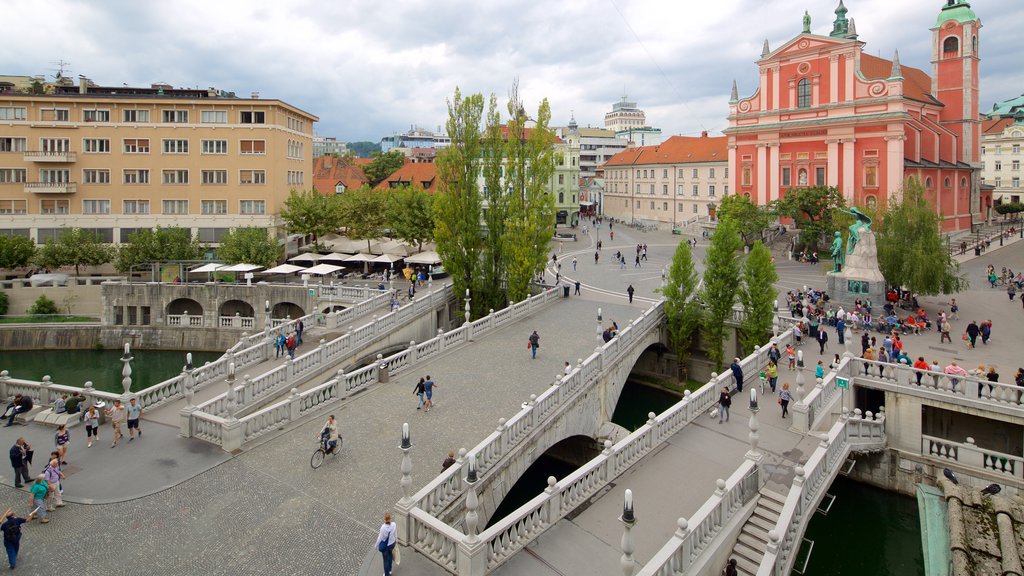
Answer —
(533, 344)
(819, 370)
(954, 309)
(116, 415)
(823, 341)
(944, 330)
(91, 419)
(630, 291)
(299, 329)
(972, 333)
(790, 357)
(386, 539)
(772, 371)
(428, 391)
(62, 439)
(841, 331)
(730, 568)
(573, 263)
(784, 399)
(724, 401)
(38, 492)
(637, 264)
(1011, 291)
(134, 413)
(11, 527)
(986, 331)
(568, 369)
(418, 391)
(737, 373)
(53, 475)
(21, 457)
(577, 293)
(597, 256)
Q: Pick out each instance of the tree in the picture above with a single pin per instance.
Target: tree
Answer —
(43, 306)
(757, 294)
(681, 308)
(363, 149)
(814, 211)
(410, 215)
(383, 165)
(750, 219)
(250, 246)
(74, 247)
(457, 206)
(721, 283)
(311, 213)
(16, 251)
(363, 213)
(4, 303)
(911, 252)
(1009, 208)
(158, 245)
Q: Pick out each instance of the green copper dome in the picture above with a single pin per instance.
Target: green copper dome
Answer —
(957, 11)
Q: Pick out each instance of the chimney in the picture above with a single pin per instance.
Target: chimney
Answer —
(254, 95)
(704, 134)
(83, 84)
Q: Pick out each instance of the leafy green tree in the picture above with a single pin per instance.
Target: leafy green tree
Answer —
(363, 213)
(911, 252)
(363, 149)
(16, 251)
(750, 219)
(719, 290)
(249, 246)
(814, 211)
(4, 303)
(681, 308)
(158, 245)
(1009, 208)
(757, 294)
(457, 204)
(311, 213)
(490, 289)
(383, 165)
(43, 306)
(410, 215)
(74, 247)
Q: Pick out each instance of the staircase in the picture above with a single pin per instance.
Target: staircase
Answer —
(753, 540)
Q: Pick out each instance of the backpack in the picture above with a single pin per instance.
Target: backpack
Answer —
(12, 531)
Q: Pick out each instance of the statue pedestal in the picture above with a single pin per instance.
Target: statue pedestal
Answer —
(859, 278)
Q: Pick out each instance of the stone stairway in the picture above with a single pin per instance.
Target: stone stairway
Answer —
(753, 540)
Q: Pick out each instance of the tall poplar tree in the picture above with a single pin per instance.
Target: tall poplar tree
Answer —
(757, 294)
(491, 290)
(720, 287)
(681, 308)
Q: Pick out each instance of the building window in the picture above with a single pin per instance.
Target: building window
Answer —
(664, 206)
(54, 114)
(294, 149)
(786, 175)
(174, 206)
(652, 205)
(1015, 182)
(215, 176)
(257, 207)
(214, 117)
(1016, 149)
(694, 172)
(982, 150)
(871, 176)
(136, 176)
(175, 146)
(561, 197)
(296, 177)
(12, 144)
(96, 115)
(999, 182)
(252, 117)
(215, 146)
(652, 189)
(725, 190)
(12, 175)
(946, 182)
(999, 165)
(694, 208)
(711, 172)
(950, 47)
(695, 190)
(637, 205)
(963, 183)
(93, 176)
(214, 206)
(175, 116)
(95, 206)
(819, 176)
(136, 116)
(680, 172)
(255, 147)
(136, 145)
(664, 189)
(175, 176)
(55, 145)
(58, 176)
(745, 177)
(679, 189)
(561, 180)
(13, 207)
(55, 206)
(253, 177)
(928, 182)
(1015, 165)
(711, 190)
(96, 145)
(803, 93)
(135, 207)
(999, 149)
(12, 113)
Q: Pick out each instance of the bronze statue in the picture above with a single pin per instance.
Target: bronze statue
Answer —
(807, 22)
(838, 257)
(862, 222)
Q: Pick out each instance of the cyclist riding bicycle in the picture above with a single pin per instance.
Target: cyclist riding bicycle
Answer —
(329, 435)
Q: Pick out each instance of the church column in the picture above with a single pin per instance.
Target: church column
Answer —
(832, 175)
(894, 166)
(792, 94)
(775, 87)
(833, 78)
(849, 169)
(773, 171)
(848, 87)
(764, 89)
(734, 170)
(762, 174)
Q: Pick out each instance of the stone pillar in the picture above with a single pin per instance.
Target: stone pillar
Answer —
(628, 519)
(773, 171)
(849, 166)
(4, 377)
(832, 171)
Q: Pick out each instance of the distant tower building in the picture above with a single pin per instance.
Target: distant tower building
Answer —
(630, 122)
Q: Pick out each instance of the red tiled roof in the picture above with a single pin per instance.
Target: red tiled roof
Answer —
(422, 174)
(329, 171)
(526, 135)
(675, 150)
(917, 85)
(995, 125)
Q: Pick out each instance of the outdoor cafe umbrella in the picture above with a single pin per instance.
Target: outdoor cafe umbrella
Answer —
(311, 257)
(208, 268)
(361, 257)
(428, 257)
(283, 269)
(322, 269)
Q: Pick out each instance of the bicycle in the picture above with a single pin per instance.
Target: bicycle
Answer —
(323, 450)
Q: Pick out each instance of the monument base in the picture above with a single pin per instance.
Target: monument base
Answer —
(860, 277)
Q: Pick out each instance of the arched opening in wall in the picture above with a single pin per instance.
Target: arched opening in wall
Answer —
(974, 45)
(871, 202)
(283, 310)
(947, 182)
(559, 461)
(652, 386)
(963, 183)
(868, 399)
(928, 183)
(950, 47)
(232, 307)
(334, 308)
(183, 306)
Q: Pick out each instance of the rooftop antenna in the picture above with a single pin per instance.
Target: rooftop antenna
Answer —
(61, 67)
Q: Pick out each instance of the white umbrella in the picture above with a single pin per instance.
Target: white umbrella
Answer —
(208, 268)
(387, 258)
(396, 247)
(428, 257)
(322, 269)
(361, 257)
(305, 257)
(283, 269)
(241, 268)
(343, 244)
(334, 256)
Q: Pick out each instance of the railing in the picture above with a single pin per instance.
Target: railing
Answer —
(45, 392)
(809, 485)
(69, 281)
(1006, 398)
(969, 454)
(695, 535)
(51, 187)
(238, 431)
(49, 156)
(810, 411)
(237, 322)
(468, 555)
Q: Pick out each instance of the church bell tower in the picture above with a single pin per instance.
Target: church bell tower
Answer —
(955, 59)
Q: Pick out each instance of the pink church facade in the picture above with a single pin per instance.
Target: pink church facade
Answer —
(826, 113)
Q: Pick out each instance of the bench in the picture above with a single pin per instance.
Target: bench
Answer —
(26, 417)
(55, 419)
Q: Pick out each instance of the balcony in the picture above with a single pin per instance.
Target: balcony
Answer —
(57, 157)
(51, 187)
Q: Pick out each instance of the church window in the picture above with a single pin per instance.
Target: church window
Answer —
(819, 176)
(963, 182)
(803, 93)
(950, 47)
(946, 182)
(928, 182)
(786, 176)
(974, 45)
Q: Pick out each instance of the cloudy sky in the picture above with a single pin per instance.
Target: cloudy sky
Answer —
(373, 68)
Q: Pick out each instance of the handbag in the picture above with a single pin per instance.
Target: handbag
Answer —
(382, 545)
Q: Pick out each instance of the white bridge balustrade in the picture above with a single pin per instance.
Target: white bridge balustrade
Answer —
(234, 432)
(969, 454)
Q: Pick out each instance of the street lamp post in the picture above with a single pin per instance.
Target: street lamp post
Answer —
(1000, 232)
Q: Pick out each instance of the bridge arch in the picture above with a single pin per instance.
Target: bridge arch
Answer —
(283, 310)
(240, 307)
(180, 306)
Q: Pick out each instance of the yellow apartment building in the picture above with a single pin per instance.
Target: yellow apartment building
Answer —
(117, 159)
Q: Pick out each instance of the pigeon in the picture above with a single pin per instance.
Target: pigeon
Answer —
(950, 476)
(991, 490)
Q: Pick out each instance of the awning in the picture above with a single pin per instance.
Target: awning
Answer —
(428, 257)
(240, 268)
(306, 257)
(321, 269)
(207, 268)
(284, 269)
(586, 203)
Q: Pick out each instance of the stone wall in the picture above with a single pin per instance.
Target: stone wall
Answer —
(80, 337)
(82, 300)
